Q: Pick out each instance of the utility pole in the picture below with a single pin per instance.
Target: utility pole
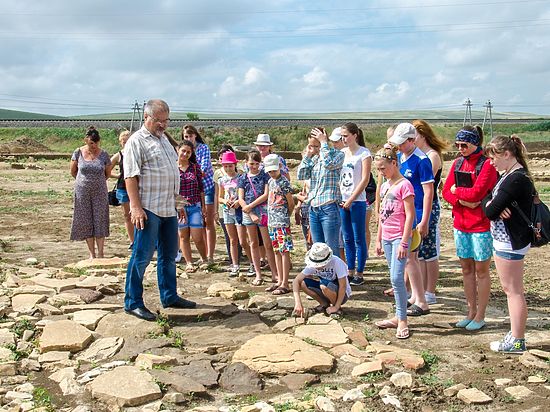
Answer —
(488, 110)
(467, 112)
(136, 113)
(142, 114)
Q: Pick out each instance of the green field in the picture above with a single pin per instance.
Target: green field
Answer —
(290, 138)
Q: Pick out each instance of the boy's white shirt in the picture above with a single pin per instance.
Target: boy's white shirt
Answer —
(335, 269)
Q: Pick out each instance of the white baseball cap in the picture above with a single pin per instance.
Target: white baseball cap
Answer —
(271, 163)
(336, 134)
(402, 133)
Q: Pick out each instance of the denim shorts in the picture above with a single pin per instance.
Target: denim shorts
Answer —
(122, 196)
(194, 217)
(477, 246)
(315, 285)
(258, 211)
(235, 218)
(209, 197)
(509, 255)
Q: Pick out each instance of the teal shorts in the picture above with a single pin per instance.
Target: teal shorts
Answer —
(477, 246)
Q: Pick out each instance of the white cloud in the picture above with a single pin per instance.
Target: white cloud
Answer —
(254, 76)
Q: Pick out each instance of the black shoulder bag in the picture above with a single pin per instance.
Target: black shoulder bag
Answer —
(539, 222)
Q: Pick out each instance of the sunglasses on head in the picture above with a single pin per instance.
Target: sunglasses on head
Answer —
(461, 145)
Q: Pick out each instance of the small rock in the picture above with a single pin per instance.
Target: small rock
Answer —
(335, 394)
(353, 395)
(29, 365)
(533, 361)
(65, 373)
(473, 396)
(174, 397)
(239, 378)
(502, 381)
(26, 303)
(391, 400)
(358, 338)
(324, 404)
(20, 396)
(70, 386)
(519, 392)
(201, 371)
(101, 349)
(367, 367)
(453, 390)
(296, 381)
(287, 323)
(215, 288)
(359, 407)
(148, 361)
(274, 315)
(31, 261)
(27, 335)
(234, 294)
(262, 302)
(89, 318)
(402, 380)
(540, 353)
(6, 337)
(536, 379)
(54, 356)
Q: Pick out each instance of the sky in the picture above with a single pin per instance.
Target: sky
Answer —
(70, 57)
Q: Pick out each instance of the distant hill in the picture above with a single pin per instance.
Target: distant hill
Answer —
(6, 114)
(396, 114)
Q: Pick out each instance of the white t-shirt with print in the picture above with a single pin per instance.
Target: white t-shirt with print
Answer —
(352, 172)
(335, 269)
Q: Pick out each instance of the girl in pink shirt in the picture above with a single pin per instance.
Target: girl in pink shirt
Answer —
(396, 216)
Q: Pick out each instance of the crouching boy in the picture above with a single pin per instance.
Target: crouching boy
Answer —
(325, 279)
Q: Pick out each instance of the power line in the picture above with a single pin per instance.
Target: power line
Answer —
(296, 11)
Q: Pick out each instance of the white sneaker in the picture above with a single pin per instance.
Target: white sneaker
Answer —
(178, 257)
(234, 271)
(431, 299)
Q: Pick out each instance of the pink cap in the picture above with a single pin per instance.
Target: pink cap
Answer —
(229, 158)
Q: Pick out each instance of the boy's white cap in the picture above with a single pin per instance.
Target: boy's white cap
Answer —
(336, 134)
(271, 162)
(402, 133)
(319, 255)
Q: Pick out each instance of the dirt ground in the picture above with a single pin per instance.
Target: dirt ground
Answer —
(36, 213)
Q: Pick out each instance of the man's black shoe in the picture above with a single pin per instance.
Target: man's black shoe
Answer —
(182, 303)
(142, 313)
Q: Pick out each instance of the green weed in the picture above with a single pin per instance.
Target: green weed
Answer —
(431, 360)
(21, 326)
(366, 318)
(43, 399)
(285, 406)
(178, 341)
(370, 392)
(372, 377)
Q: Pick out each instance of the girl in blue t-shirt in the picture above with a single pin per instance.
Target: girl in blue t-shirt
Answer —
(253, 193)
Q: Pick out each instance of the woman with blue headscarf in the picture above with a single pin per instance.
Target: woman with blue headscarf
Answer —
(471, 177)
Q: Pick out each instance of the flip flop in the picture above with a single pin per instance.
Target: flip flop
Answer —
(417, 311)
(386, 324)
(257, 282)
(271, 288)
(389, 292)
(281, 291)
(402, 333)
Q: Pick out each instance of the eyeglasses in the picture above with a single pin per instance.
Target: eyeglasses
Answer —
(461, 145)
(167, 120)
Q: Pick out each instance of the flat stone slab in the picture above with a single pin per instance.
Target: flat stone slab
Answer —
(26, 303)
(280, 354)
(101, 349)
(125, 386)
(540, 353)
(111, 307)
(93, 282)
(406, 357)
(107, 263)
(367, 367)
(33, 290)
(59, 285)
(297, 381)
(123, 325)
(473, 396)
(519, 392)
(215, 288)
(201, 371)
(327, 336)
(288, 324)
(205, 310)
(149, 361)
(64, 335)
(89, 318)
(180, 383)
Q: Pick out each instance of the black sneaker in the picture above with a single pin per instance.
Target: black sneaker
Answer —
(356, 281)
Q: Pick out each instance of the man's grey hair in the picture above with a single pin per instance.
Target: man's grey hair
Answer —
(156, 106)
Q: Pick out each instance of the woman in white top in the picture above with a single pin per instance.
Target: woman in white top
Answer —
(353, 180)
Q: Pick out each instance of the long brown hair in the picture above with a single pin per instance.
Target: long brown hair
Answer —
(435, 142)
(192, 129)
(513, 144)
(354, 129)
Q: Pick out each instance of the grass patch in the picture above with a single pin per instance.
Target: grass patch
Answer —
(43, 399)
(372, 377)
(178, 341)
(431, 360)
(21, 326)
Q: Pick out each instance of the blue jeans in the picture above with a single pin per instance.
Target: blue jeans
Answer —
(324, 224)
(353, 232)
(397, 276)
(160, 233)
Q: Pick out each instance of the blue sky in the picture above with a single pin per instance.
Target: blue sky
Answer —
(74, 57)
